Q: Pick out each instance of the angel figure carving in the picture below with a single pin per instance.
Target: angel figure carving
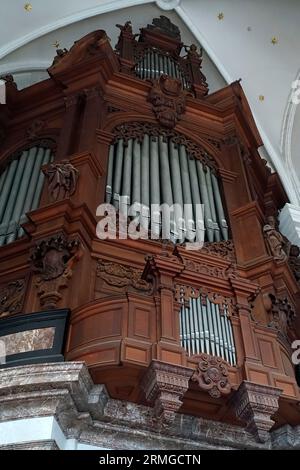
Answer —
(62, 179)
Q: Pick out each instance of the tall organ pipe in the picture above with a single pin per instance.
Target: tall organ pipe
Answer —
(203, 328)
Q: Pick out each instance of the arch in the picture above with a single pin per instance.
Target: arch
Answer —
(286, 138)
(124, 117)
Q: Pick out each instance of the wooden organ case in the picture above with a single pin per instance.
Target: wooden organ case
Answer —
(205, 332)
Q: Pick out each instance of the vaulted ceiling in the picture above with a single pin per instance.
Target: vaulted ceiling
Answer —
(250, 39)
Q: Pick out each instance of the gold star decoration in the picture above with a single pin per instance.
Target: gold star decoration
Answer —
(28, 7)
(221, 16)
(274, 40)
(56, 44)
(261, 98)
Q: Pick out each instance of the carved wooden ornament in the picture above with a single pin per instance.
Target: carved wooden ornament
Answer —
(62, 179)
(212, 375)
(168, 100)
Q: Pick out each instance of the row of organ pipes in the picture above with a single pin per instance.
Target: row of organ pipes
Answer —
(204, 327)
(157, 171)
(21, 183)
(153, 64)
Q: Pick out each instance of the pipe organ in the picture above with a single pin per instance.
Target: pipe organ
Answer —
(135, 128)
(153, 170)
(205, 327)
(154, 63)
(21, 183)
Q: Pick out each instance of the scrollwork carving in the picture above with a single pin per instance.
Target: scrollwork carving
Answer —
(164, 25)
(168, 100)
(224, 249)
(121, 276)
(12, 297)
(183, 294)
(212, 375)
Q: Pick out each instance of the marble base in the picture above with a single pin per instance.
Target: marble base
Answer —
(58, 406)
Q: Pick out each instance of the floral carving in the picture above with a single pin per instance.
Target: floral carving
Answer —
(212, 375)
(168, 100)
(53, 259)
(224, 249)
(62, 179)
(121, 276)
(12, 297)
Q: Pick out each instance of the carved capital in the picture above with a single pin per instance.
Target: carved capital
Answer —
(168, 100)
(255, 405)
(62, 179)
(212, 375)
(53, 259)
(164, 386)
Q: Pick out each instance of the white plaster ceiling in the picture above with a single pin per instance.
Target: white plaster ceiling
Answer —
(239, 46)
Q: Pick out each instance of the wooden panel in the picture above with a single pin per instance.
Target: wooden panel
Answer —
(267, 353)
(287, 386)
(136, 352)
(141, 320)
(105, 322)
(97, 354)
(258, 376)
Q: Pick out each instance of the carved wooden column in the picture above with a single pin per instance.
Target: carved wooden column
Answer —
(244, 290)
(164, 269)
(246, 224)
(69, 133)
(231, 156)
(104, 140)
(91, 119)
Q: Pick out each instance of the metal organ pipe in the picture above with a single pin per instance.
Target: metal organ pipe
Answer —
(160, 171)
(20, 188)
(204, 328)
